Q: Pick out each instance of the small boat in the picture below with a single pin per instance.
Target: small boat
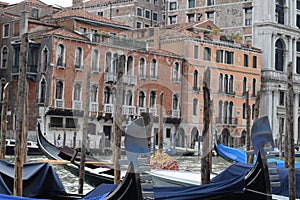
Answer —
(249, 184)
(95, 173)
(175, 178)
(42, 182)
(32, 147)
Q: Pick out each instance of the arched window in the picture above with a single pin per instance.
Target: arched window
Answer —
(152, 99)
(230, 114)
(226, 84)
(142, 69)
(95, 61)
(60, 55)
(130, 65)
(195, 80)
(175, 102)
(153, 69)
(176, 72)
(78, 58)
(94, 93)
(115, 63)
(254, 87)
(4, 57)
(231, 84)
(220, 113)
(59, 90)
(141, 99)
(129, 98)
(244, 86)
(279, 57)
(77, 92)
(221, 83)
(45, 60)
(108, 62)
(43, 87)
(107, 95)
(225, 112)
(195, 106)
(244, 111)
(253, 111)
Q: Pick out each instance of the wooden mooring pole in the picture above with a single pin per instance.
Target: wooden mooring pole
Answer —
(4, 121)
(206, 151)
(20, 118)
(118, 113)
(290, 131)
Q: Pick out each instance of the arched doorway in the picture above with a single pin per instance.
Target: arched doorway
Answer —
(225, 137)
(194, 137)
(180, 138)
(243, 138)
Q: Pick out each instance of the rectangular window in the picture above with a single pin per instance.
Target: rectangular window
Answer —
(248, 16)
(196, 52)
(210, 2)
(168, 133)
(207, 53)
(173, 19)
(6, 30)
(155, 16)
(298, 21)
(190, 17)
(191, 4)
(35, 13)
(281, 98)
(71, 122)
(82, 30)
(298, 65)
(139, 12)
(100, 13)
(138, 25)
(298, 5)
(173, 6)
(219, 57)
(254, 62)
(246, 60)
(147, 14)
(16, 31)
(210, 16)
(229, 57)
(56, 122)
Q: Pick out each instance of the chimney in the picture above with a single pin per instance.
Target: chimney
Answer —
(156, 40)
(77, 2)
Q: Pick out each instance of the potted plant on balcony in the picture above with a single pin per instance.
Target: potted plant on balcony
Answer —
(237, 38)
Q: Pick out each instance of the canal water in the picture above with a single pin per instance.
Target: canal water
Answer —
(70, 181)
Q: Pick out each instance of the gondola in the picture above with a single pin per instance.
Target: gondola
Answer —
(41, 181)
(95, 174)
(241, 181)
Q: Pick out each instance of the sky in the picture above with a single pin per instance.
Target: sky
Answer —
(63, 3)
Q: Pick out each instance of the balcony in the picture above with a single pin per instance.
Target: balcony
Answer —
(76, 105)
(270, 75)
(110, 77)
(116, 40)
(153, 111)
(93, 107)
(141, 110)
(108, 108)
(59, 103)
(227, 120)
(175, 113)
(130, 80)
(128, 110)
